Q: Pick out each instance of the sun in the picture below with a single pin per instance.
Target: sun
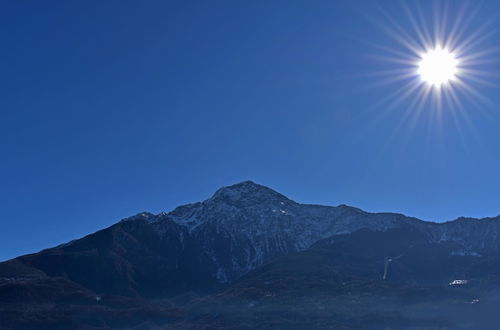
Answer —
(438, 66)
(440, 63)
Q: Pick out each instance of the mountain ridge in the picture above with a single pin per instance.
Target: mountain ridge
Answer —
(250, 183)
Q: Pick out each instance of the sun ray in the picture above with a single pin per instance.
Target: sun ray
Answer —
(487, 55)
(398, 33)
(464, 25)
(425, 26)
(450, 42)
(422, 37)
(476, 38)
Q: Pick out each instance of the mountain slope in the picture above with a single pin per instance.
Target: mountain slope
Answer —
(339, 283)
(129, 258)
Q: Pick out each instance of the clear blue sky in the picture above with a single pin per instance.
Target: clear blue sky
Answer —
(110, 108)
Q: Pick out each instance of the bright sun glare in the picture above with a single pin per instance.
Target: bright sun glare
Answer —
(439, 59)
(437, 67)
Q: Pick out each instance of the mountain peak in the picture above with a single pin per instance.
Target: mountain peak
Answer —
(247, 184)
(244, 185)
(246, 190)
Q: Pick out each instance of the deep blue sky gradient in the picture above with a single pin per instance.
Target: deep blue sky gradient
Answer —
(110, 108)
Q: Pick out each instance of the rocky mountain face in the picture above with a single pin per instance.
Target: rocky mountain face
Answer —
(245, 238)
(393, 279)
(245, 225)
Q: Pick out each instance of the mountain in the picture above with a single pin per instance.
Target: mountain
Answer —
(150, 271)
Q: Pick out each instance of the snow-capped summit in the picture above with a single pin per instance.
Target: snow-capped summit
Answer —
(246, 193)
